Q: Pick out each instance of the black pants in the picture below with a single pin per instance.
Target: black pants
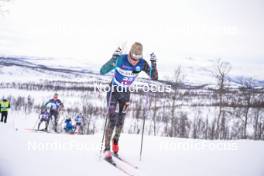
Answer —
(4, 116)
(46, 125)
(116, 119)
(55, 114)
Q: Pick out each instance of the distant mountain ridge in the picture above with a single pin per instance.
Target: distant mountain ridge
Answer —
(23, 65)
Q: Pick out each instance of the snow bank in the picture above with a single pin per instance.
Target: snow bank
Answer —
(26, 153)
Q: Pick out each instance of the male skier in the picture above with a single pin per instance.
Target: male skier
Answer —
(126, 68)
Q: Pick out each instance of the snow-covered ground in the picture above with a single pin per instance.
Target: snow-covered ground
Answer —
(27, 153)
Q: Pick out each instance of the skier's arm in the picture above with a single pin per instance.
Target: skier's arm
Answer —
(47, 103)
(61, 106)
(152, 70)
(111, 64)
(108, 66)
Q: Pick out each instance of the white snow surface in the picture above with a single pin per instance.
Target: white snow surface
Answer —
(27, 153)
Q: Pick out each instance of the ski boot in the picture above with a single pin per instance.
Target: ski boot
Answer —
(107, 154)
(115, 147)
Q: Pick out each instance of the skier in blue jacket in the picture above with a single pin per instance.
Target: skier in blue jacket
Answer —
(79, 123)
(69, 128)
(126, 69)
(55, 106)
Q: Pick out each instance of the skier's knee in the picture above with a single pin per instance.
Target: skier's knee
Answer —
(112, 123)
(121, 119)
(112, 109)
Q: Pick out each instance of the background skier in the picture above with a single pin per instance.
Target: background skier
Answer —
(69, 128)
(55, 105)
(79, 123)
(126, 68)
(44, 117)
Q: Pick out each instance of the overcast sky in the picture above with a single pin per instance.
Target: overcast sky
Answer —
(89, 31)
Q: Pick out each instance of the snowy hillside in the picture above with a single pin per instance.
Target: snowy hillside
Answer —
(39, 69)
(27, 153)
(30, 82)
(32, 69)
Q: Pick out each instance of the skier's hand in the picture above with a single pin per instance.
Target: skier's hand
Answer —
(118, 52)
(153, 57)
(62, 109)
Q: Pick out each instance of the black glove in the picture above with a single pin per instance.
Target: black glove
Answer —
(153, 57)
(118, 52)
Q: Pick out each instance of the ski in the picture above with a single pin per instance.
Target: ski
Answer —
(44, 131)
(110, 161)
(125, 161)
(35, 130)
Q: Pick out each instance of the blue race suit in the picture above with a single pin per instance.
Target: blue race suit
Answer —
(124, 75)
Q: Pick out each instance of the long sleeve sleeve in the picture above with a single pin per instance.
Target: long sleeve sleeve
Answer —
(47, 103)
(152, 70)
(109, 65)
(61, 104)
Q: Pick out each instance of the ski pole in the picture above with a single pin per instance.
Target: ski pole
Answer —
(35, 124)
(143, 127)
(106, 119)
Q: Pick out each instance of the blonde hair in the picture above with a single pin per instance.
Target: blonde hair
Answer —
(133, 47)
